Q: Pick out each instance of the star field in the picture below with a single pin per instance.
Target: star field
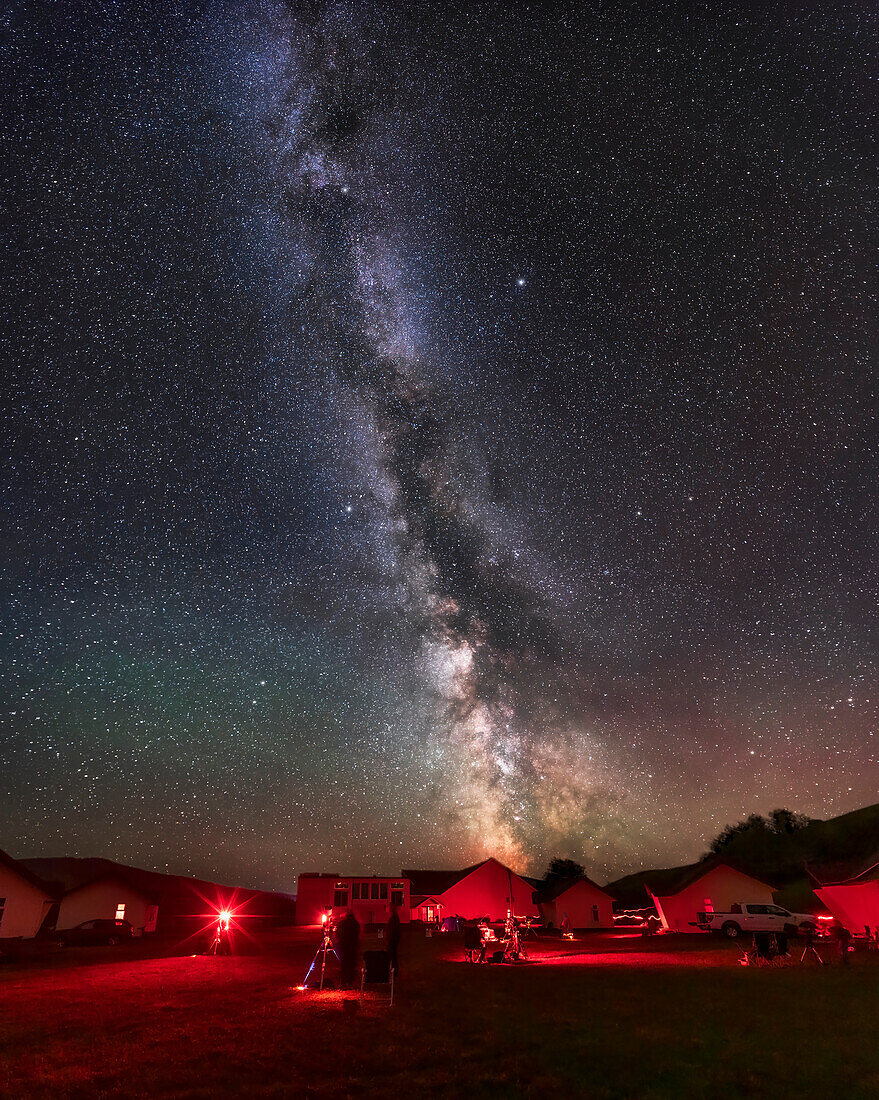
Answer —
(434, 433)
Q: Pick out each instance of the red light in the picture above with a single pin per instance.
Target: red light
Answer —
(822, 917)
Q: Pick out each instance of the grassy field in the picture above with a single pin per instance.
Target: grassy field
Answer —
(606, 1016)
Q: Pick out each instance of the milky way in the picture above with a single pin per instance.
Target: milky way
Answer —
(482, 635)
(435, 433)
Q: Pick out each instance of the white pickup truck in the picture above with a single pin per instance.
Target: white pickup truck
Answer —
(757, 918)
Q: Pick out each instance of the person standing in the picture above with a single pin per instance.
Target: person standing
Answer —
(845, 942)
(347, 941)
(392, 936)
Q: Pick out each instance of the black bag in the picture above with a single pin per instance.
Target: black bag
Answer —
(377, 965)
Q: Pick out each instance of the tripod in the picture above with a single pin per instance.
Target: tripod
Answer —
(811, 949)
(528, 929)
(513, 948)
(220, 944)
(325, 945)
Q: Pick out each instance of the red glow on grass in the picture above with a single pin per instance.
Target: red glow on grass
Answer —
(628, 949)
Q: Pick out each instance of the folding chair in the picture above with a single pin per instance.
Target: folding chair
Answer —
(472, 943)
(759, 953)
(377, 970)
(783, 955)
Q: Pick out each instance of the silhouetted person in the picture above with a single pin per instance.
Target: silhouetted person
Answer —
(486, 936)
(845, 941)
(347, 941)
(392, 935)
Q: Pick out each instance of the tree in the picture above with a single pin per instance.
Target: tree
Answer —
(753, 824)
(560, 870)
(757, 828)
(786, 822)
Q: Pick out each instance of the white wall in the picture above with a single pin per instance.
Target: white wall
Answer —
(315, 895)
(485, 893)
(99, 899)
(577, 901)
(722, 885)
(25, 907)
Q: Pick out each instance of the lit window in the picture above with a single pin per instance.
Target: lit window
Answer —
(708, 904)
(120, 911)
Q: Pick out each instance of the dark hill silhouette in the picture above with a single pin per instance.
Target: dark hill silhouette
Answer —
(780, 857)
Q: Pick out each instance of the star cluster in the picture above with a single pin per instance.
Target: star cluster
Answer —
(434, 431)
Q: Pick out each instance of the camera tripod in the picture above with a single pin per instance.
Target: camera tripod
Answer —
(325, 945)
(220, 944)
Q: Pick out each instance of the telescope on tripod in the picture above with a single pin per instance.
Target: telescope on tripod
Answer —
(324, 946)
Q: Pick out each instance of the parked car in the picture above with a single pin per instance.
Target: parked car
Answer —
(757, 918)
(96, 932)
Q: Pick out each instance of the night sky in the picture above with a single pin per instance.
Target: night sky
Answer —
(433, 431)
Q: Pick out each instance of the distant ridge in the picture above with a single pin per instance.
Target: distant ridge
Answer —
(782, 860)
